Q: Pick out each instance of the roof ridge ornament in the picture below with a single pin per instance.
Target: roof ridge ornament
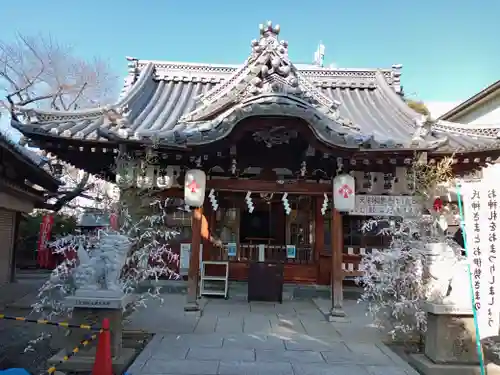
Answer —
(269, 29)
(269, 41)
(396, 78)
(424, 126)
(268, 70)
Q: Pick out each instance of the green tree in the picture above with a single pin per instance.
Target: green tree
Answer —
(418, 106)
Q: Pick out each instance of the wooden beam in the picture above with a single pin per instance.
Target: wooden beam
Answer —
(259, 186)
(337, 243)
(194, 261)
(319, 229)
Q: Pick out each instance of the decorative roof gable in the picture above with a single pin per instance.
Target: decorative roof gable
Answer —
(268, 70)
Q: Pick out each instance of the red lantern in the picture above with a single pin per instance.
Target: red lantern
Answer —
(437, 205)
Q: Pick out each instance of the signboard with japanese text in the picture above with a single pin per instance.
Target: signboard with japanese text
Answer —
(386, 205)
(185, 253)
(231, 249)
(482, 239)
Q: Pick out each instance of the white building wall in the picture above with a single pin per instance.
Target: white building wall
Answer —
(486, 113)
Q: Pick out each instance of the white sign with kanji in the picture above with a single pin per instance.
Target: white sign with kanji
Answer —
(481, 222)
(387, 205)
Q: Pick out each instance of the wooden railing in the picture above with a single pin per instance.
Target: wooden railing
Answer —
(272, 253)
(351, 258)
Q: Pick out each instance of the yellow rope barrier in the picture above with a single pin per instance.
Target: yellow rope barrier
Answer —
(82, 344)
(47, 322)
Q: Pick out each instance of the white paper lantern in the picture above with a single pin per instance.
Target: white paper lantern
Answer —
(150, 177)
(344, 197)
(194, 188)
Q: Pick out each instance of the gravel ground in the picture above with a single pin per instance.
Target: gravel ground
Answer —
(16, 336)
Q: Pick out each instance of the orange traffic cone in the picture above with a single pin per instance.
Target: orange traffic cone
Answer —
(103, 364)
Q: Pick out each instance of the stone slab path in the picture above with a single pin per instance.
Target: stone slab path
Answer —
(237, 338)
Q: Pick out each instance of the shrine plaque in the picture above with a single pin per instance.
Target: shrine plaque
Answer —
(482, 241)
(386, 205)
(93, 303)
(101, 300)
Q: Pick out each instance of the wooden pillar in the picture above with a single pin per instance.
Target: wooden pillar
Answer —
(337, 243)
(194, 261)
(319, 235)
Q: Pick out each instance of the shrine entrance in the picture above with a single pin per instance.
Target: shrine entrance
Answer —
(257, 227)
(268, 233)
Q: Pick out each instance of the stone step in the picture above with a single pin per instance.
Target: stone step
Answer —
(239, 289)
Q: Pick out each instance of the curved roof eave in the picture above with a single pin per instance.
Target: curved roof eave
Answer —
(468, 138)
(119, 107)
(326, 130)
(198, 133)
(455, 137)
(49, 182)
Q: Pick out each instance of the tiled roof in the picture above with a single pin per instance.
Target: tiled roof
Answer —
(180, 104)
(32, 161)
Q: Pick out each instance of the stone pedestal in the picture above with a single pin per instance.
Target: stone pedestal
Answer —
(94, 306)
(450, 343)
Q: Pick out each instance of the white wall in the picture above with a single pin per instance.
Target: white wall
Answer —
(440, 108)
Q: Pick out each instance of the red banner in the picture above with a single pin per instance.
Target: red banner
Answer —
(44, 255)
(113, 221)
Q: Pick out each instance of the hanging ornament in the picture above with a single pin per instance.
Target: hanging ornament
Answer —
(141, 181)
(149, 177)
(248, 201)
(303, 169)
(213, 199)
(343, 192)
(233, 166)
(442, 223)
(437, 205)
(324, 207)
(286, 205)
(194, 187)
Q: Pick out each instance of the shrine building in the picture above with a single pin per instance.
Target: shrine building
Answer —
(270, 135)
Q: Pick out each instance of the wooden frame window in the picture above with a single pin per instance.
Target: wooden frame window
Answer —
(354, 234)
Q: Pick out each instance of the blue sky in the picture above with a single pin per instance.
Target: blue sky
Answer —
(449, 49)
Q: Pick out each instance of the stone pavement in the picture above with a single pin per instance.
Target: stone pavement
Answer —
(237, 338)
(20, 294)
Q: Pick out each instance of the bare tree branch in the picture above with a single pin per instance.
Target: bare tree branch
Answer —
(68, 197)
(39, 72)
